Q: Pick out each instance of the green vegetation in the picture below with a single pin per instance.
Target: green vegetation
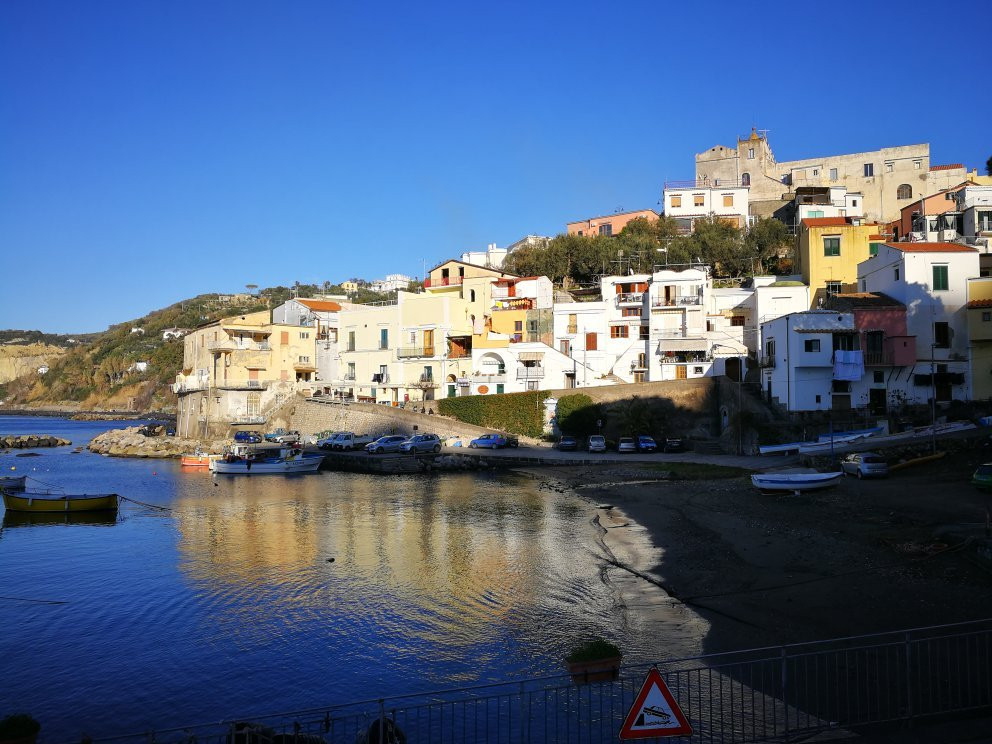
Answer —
(593, 650)
(577, 415)
(517, 413)
(22, 338)
(643, 244)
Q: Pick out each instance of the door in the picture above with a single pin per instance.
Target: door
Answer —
(591, 342)
(876, 401)
(566, 347)
(429, 343)
(681, 372)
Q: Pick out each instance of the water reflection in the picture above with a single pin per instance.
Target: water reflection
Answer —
(38, 519)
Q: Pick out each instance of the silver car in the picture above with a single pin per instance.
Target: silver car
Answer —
(865, 465)
(597, 443)
(390, 443)
(422, 443)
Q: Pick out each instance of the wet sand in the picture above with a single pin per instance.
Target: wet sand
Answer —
(863, 557)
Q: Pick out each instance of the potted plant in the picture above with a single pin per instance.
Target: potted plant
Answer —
(19, 729)
(594, 660)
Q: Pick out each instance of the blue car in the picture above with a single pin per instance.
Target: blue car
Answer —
(489, 441)
(646, 443)
(247, 437)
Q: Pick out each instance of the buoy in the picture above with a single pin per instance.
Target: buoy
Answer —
(13, 467)
(154, 473)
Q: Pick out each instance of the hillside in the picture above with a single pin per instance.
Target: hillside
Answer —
(102, 371)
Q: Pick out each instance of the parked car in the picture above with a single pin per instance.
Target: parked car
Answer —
(626, 444)
(381, 445)
(326, 443)
(646, 443)
(247, 437)
(511, 440)
(865, 465)
(596, 443)
(422, 443)
(349, 441)
(289, 437)
(568, 444)
(271, 436)
(674, 444)
(489, 441)
(982, 477)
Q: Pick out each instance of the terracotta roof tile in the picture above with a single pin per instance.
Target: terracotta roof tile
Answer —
(848, 300)
(979, 303)
(825, 221)
(322, 305)
(932, 247)
(949, 166)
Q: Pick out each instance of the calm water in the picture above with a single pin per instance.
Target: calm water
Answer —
(226, 604)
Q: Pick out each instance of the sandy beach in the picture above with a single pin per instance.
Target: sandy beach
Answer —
(863, 557)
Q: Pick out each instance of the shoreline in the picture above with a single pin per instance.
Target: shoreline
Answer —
(864, 557)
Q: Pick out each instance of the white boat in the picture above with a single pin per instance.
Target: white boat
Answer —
(824, 447)
(267, 460)
(839, 435)
(779, 449)
(794, 482)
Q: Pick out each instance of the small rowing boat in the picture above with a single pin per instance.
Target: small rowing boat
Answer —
(794, 482)
(198, 459)
(47, 501)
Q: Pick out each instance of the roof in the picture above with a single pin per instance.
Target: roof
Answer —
(325, 305)
(851, 300)
(932, 247)
(499, 272)
(826, 221)
(949, 166)
(979, 303)
(615, 214)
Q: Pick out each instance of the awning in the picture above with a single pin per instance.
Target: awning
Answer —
(530, 356)
(683, 344)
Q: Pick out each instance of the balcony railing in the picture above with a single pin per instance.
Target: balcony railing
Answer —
(191, 386)
(572, 329)
(349, 377)
(766, 362)
(426, 381)
(630, 298)
(878, 358)
(683, 301)
(242, 385)
(530, 373)
(459, 353)
(409, 352)
(686, 357)
(445, 281)
(491, 379)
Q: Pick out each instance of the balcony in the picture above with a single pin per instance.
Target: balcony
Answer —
(878, 358)
(661, 303)
(686, 357)
(426, 381)
(349, 377)
(191, 385)
(221, 346)
(490, 379)
(630, 298)
(530, 373)
(242, 385)
(411, 352)
(246, 419)
(444, 281)
(572, 329)
(766, 362)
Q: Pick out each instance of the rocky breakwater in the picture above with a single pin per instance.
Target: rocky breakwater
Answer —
(132, 442)
(31, 441)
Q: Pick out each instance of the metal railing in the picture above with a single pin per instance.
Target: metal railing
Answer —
(530, 373)
(242, 385)
(630, 298)
(766, 362)
(427, 381)
(490, 378)
(683, 301)
(878, 358)
(408, 352)
(777, 693)
(445, 281)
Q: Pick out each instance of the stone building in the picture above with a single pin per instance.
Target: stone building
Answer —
(888, 178)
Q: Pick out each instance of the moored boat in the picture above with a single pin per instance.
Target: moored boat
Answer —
(13, 482)
(260, 461)
(197, 459)
(48, 502)
(794, 482)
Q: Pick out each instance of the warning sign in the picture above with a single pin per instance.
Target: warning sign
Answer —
(654, 712)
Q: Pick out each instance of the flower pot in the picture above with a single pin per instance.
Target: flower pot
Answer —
(594, 670)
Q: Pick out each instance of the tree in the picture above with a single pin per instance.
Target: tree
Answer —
(768, 240)
(718, 243)
(988, 167)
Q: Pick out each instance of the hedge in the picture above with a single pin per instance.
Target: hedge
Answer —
(517, 413)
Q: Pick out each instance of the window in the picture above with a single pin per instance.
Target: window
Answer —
(811, 345)
(869, 170)
(618, 331)
(905, 191)
(642, 360)
(639, 377)
(573, 323)
(770, 349)
(750, 153)
(471, 295)
(737, 320)
(941, 335)
(888, 168)
(816, 171)
(917, 164)
(566, 347)
(383, 338)
(896, 277)
(304, 336)
(351, 340)
(580, 232)
(873, 249)
(745, 179)
(986, 317)
(698, 200)
(983, 221)
(631, 312)
(645, 333)
(831, 246)
(879, 377)
(854, 202)
(833, 174)
(832, 288)
(940, 278)
(606, 229)
(676, 200)
(728, 200)
(817, 398)
(864, 285)
(518, 326)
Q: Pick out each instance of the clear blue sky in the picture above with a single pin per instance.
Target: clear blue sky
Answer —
(151, 151)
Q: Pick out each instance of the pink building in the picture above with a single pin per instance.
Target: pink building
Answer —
(881, 324)
(611, 224)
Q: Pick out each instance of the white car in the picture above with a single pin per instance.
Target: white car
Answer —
(626, 444)
(597, 443)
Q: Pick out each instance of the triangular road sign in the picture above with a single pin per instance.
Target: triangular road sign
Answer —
(654, 712)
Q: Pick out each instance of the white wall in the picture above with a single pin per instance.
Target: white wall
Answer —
(712, 201)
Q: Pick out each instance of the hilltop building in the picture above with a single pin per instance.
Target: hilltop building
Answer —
(610, 224)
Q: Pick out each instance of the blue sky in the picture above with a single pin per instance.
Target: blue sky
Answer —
(151, 151)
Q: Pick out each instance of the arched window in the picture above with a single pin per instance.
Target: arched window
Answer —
(905, 191)
(745, 179)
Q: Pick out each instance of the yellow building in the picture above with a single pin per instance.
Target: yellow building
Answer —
(350, 287)
(237, 369)
(828, 252)
(980, 337)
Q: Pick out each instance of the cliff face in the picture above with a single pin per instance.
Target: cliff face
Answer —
(17, 360)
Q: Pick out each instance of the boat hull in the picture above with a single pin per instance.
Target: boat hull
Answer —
(195, 461)
(795, 482)
(304, 464)
(51, 503)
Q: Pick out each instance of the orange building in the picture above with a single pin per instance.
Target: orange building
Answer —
(611, 224)
(938, 203)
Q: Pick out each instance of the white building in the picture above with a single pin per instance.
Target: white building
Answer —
(324, 317)
(171, 333)
(493, 257)
(392, 283)
(828, 201)
(687, 203)
(931, 280)
(975, 205)
(798, 362)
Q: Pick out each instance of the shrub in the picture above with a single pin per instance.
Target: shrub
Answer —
(517, 413)
(592, 650)
(577, 415)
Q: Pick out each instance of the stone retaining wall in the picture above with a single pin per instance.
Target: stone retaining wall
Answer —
(311, 417)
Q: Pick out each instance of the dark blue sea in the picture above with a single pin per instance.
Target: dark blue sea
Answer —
(224, 602)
